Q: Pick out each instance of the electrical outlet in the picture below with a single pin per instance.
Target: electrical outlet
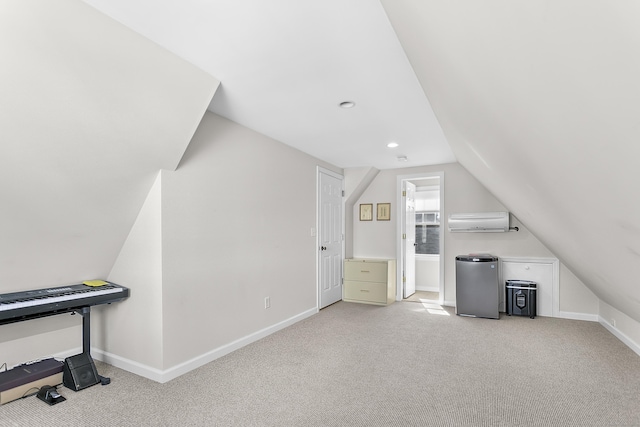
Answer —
(267, 302)
(613, 322)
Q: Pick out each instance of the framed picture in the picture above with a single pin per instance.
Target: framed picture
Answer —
(384, 212)
(366, 212)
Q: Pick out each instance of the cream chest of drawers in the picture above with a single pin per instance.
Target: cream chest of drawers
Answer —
(369, 281)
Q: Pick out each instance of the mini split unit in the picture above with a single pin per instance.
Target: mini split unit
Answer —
(483, 222)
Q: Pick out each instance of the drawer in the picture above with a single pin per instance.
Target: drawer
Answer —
(365, 271)
(365, 291)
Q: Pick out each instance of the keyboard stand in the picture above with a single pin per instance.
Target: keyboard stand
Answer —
(85, 312)
(74, 299)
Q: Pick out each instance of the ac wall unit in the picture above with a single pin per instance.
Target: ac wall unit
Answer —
(483, 222)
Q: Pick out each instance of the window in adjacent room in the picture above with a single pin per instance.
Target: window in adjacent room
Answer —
(428, 233)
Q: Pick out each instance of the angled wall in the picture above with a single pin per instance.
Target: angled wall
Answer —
(90, 112)
(132, 329)
(356, 182)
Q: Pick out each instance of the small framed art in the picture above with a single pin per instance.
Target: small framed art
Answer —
(366, 212)
(384, 212)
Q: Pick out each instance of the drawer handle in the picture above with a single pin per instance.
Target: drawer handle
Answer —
(363, 290)
(364, 271)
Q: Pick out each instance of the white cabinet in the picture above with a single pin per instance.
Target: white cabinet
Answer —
(543, 271)
(369, 281)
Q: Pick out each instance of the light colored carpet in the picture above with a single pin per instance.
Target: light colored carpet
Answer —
(362, 365)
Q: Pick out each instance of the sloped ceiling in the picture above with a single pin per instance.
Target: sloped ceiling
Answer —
(89, 113)
(285, 65)
(539, 101)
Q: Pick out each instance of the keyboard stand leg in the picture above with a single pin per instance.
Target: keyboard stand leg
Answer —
(85, 312)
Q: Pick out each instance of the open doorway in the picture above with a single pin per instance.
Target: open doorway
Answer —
(420, 240)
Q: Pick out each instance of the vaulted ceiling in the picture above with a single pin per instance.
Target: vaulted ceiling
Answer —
(285, 65)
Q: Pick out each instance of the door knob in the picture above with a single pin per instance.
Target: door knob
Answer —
(324, 248)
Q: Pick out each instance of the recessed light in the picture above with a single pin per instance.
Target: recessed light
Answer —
(347, 104)
(392, 144)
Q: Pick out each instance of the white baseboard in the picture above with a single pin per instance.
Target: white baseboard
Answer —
(162, 376)
(577, 316)
(560, 314)
(132, 366)
(622, 337)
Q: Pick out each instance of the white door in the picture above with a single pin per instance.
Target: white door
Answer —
(330, 239)
(409, 238)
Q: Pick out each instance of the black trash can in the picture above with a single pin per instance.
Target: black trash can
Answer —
(521, 298)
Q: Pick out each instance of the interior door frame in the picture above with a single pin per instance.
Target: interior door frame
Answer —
(316, 231)
(400, 225)
(408, 270)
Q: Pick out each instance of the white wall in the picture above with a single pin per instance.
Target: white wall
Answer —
(237, 216)
(428, 273)
(235, 228)
(462, 193)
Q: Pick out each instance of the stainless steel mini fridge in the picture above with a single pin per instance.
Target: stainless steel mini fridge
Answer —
(477, 288)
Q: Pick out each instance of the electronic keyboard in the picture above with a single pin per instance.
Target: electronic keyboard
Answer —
(18, 306)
